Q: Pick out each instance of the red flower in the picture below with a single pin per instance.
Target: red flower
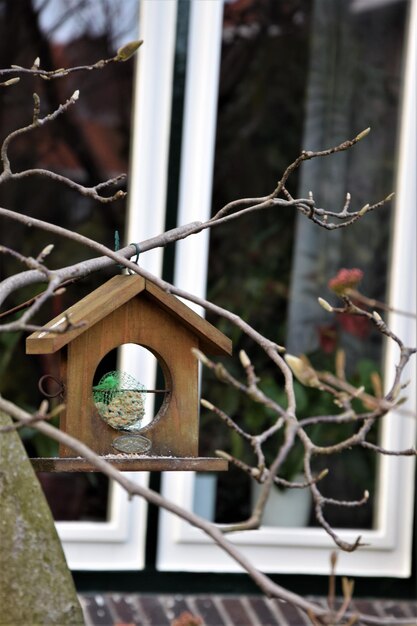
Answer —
(345, 280)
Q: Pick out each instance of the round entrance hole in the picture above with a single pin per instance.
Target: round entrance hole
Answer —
(124, 391)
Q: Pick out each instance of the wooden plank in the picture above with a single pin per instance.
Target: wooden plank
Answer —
(81, 419)
(133, 463)
(212, 340)
(174, 431)
(91, 309)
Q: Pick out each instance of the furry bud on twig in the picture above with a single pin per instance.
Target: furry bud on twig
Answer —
(36, 63)
(322, 474)
(10, 82)
(46, 251)
(244, 359)
(358, 392)
(128, 50)
(363, 134)
(303, 372)
(200, 356)
(206, 404)
(364, 209)
(43, 407)
(325, 305)
(75, 95)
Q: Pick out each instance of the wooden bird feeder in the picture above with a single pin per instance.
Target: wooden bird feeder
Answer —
(130, 309)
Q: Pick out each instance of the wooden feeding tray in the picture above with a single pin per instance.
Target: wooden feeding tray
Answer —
(130, 309)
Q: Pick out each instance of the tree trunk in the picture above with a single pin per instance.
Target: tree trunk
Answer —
(36, 586)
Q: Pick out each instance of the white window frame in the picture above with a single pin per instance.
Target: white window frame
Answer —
(303, 550)
(119, 542)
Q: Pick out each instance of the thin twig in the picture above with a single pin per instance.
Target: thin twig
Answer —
(381, 450)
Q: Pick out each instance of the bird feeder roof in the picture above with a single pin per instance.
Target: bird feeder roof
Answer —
(112, 295)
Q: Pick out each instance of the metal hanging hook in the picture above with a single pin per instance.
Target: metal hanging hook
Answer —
(58, 382)
(137, 257)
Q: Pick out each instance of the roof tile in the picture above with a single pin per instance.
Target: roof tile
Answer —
(216, 610)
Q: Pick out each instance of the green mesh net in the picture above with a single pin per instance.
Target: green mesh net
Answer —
(120, 401)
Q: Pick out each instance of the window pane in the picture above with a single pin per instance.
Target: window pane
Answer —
(302, 75)
(89, 143)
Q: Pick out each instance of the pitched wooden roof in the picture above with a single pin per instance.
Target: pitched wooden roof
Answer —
(108, 297)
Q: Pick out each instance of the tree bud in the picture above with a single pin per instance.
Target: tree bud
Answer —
(47, 250)
(10, 82)
(200, 356)
(244, 359)
(364, 209)
(325, 305)
(128, 50)
(304, 373)
(363, 134)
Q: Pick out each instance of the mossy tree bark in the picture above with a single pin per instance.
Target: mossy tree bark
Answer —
(36, 586)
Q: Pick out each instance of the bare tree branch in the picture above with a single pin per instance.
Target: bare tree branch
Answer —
(271, 589)
(285, 422)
